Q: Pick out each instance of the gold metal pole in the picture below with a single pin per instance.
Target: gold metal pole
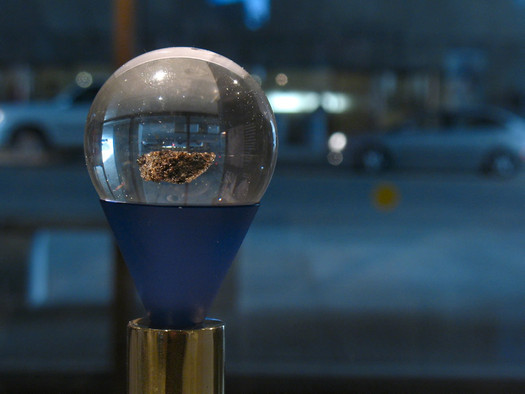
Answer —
(176, 361)
(123, 31)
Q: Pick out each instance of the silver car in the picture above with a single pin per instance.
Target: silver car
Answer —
(486, 139)
(36, 127)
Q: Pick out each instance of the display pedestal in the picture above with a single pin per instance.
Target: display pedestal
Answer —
(176, 361)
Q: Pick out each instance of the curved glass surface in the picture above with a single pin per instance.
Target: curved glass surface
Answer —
(181, 126)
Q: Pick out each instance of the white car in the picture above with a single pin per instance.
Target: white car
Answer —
(40, 126)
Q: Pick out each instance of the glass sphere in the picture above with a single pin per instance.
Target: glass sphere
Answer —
(181, 126)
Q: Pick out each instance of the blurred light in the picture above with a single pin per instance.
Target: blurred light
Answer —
(337, 142)
(107, 149)
(2, 116)
(336, 103)
(334, 158)
(281, 79)
(293, 102)
(305, 102)
(256, 12)
(385, 197)
(159, 76)
(84, 79)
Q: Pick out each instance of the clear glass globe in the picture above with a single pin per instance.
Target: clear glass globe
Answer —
(181, 126)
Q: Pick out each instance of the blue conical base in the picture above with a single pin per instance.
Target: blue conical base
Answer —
(178, 256)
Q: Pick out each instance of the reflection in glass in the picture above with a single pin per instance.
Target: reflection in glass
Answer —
(182, 100)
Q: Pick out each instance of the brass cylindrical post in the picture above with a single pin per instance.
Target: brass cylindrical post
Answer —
(176, 361)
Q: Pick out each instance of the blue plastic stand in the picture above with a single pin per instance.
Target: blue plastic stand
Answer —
(178, 256)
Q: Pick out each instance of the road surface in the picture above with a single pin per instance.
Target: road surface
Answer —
(345, 273)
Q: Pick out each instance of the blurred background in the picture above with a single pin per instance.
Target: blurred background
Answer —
(388, 253)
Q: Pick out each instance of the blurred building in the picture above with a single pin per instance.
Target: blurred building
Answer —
(413, 53)
(340, 33)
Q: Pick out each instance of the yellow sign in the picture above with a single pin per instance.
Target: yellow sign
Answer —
(385, 196)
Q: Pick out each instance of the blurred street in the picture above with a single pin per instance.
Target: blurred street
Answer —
(388, 251)
(435, 267)
(435, 284)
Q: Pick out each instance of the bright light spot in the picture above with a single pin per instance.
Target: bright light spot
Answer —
(293, 102)
(281, 79)
(2, 116)
(159, 76)
(335, 158)
(305, 102)
(107, 149)
(337, 142)
(335, 103)
(84, 79)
